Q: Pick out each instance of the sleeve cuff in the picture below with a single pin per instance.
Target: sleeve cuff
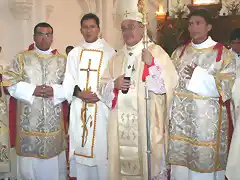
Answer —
(23, 91)
(58, 94)
(203, 83)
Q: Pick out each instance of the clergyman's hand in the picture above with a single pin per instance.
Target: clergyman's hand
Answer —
(88, 96)
(38, 92)
(147, 57)
(43, 91)
(48, 91)
(94, 98)
(189, 71)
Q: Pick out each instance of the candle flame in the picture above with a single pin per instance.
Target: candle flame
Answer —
(160, 10)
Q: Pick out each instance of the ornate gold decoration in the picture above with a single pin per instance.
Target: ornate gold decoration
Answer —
(141, 6)
(84, 118)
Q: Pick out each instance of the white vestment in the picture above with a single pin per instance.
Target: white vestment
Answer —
(201, 83)
(127, 124)
(87, 133)
(30, 168)
(234, 155)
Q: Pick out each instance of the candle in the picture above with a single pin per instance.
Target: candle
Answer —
(160, 14)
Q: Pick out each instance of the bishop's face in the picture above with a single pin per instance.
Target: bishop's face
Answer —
(235, 45)
(132, 32)
(198, 29)
(90, 30)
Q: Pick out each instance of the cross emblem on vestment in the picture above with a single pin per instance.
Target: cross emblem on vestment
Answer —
(126, 14)
(88, 70)
(84, 117)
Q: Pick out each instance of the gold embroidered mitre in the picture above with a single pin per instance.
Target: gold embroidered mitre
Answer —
(129, 9)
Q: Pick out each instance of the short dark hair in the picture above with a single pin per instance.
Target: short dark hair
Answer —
(203, 13)
(91, 16)
(42, 24)
(69, 47)
(235, 34)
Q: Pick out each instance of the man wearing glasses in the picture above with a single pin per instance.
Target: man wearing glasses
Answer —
(88, 114)
(39, 93)
(127, 145)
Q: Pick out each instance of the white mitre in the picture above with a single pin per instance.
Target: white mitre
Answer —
(128, 10)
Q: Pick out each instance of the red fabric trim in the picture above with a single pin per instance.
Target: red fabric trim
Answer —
(114, 101)
(146, 70)
(65, 112)
(230, 122)
(31, 47)
(12, 120)
(183, 50)
(219, 47)
(65, 106)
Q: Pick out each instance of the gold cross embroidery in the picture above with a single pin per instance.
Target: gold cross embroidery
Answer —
(126, 14)
(88, 71)
(84, 106)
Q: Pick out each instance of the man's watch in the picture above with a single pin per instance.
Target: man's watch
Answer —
(76, 90)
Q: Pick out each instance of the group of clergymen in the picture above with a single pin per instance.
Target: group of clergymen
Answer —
(194, 106)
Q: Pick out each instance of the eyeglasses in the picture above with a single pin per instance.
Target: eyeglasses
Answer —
(41, 34)
(130, 27)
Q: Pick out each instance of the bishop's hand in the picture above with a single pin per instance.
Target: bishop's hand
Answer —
(122, 84)
(147, 57)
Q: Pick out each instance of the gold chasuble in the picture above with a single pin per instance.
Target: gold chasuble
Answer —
(127, 138)
(40, 126)
(200, 125)
(4, 131)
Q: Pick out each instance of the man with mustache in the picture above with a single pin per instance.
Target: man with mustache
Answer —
(40, 134)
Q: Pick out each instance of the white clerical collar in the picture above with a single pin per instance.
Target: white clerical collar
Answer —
(94, 45)
(49, 51)
(136, 49)
(131, 48)
(206, 44)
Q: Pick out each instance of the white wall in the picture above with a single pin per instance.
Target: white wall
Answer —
(65, 19)
(16, 24)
